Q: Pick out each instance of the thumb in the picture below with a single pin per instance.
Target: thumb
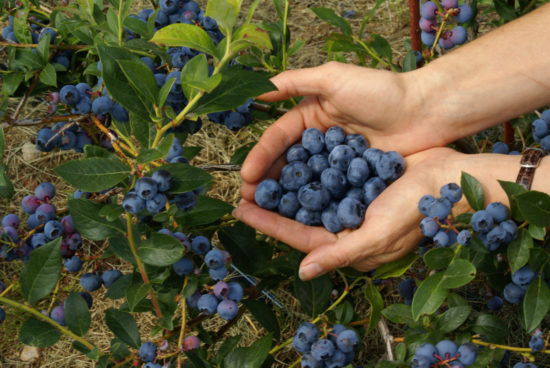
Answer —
(299, 82)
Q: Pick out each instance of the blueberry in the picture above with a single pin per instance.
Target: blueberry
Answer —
(176, 148)
(351, 212)
(32, 222)
(190, 343)
(44, 191)
(58, 315)
(69, 95)
(372, 155)
(119, 113)
(440, 208)
(217, 274)
(53, 229)
(498, 211)
(235, 120)
(45, 212)
(163, 179)
(214, 259)
(11, 232)
(207, 304)
(356, 193)
(446, 349)
(495, 303)
(451, 191)
(148, 351)
(289, 205)
(235, 291)
(11, 220)
(420, 361)
(307, 332)
(73, 264)
(29, 204)
(301, 346)
(372, 189)
(464, 237)
(390, 166)
(329, 218)
(90, 282)
(540, 127)
(347, 340)
(427, 350)
(358, 143)
(46, 140)
(132, 203)
(308, 361)
(337, 360)
(193, 300)
(428, 10)
(47, 31)
(513, 293)
(67, 140)
(406, 288)
(146, 188)
(511, 230)
(228, 309)
(545, 143)
(441, 239)
(220, 290)
(110, 276)
(465, 13)
(523, 277)
(318, 163)
(183, 267)
(68, 225)
(297, 152)
(168, 6)
(467, 353)
(429, 227)
(334, 136)
(294, 175)
(322, 349)
(536, 343)
(358, 172)
(193, 6)
(73, 241)
(156, 204)
(268, 194)
(427, 38)
(200, 244)
(340, 157)
(335, 182)
(425, 204)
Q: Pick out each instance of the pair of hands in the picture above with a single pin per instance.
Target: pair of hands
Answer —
(375, 104)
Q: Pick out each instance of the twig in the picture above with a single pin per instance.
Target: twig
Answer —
(32, 45)
(268, 108)
(220, 167)
(27, 94)
(387, 337)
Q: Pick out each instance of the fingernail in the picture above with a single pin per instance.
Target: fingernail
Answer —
(310, 271)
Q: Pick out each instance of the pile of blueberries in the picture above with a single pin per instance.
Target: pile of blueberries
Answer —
(444, 354)
(541, 130)
(429, 23)
(335, 351)
(491, 224)
(330, 179)
(148, 351)
(43, 224)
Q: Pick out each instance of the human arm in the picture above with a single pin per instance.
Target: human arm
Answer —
(391, 226)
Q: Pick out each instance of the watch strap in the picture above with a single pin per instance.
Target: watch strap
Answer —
(530, 160)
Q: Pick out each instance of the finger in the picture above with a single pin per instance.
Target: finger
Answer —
(299, 82)
(278, 137)
(288, 231)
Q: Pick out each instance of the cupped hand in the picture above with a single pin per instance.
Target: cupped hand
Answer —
(389, 231)
(375, 103)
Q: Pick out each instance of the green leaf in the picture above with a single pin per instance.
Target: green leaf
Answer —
(438, 258)
(119, 349)
(112, 21)
(27, 60)
(250, 357)
(249, 35)
(263, 314)
(179, 34)
(473, 191)
(224, 12)
(121, 247)
(452, 318)
(141, 79)
(518, 250)
(330, 17)
(398, 313)
(6, 187)
(123, 326)
(206, 211)
(409, 63)
(41, 273)
(48, 75)
(77, 314)
(136, 292)
(535, 304)
(160, 151)
(505, 11)
(227, 347)
(116, 82)
(85, 214)
(314, 295)
(429, 296)
(194, 77)
(512, 191)
(93, 174)
(459, 273)
(38, 333)
(11, 82)
(43, 48)
(137, 26)
(118, 288)
(236, 87)
(534, 206)
(537, 232)
(20, 25)
(185, 177)
(382, 47)
(396, 268)
(160, 250)
(492, 328)
(164, 92)
(377, 304)
(143, 129)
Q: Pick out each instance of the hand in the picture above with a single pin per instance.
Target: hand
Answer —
(390, 229)
(374, 103)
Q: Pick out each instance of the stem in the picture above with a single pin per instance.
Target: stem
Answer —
(27, 94)
(47, 319)
(7, 290)
(285, 18)
(372, 53)
(119, 16)
(32, 45)
(183, 315)
(505, 347)
(439, 32)
(130, 237)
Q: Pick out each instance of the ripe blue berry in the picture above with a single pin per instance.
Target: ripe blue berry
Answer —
(58, 315)
(441, 239)
(289, 205)
(307, 332)
(217, 274)
(90, 282)
(524, 276)
(464, 237)
(322, 349)
(46, 140)
(44, 191)
(465, 13)
(235, 291)
(297, 152)
(329, 218)
(29, 204)
(429, 227)
(334, 136)
(200, 244)
(148, 351)
(498, 211)
(513, 293)
(146, 188)
(536, 343)
(313, 140)
(420, 361)
(294, 175)
(451, 191)
(428, 10)
(318, 163)
(482, 221)
(207, 304)
(156, 203)
(228, 309)
(358, 172)
(351, 212)
(69, 95)
(163, 179)
(132, 203)
(45, 212)
(268, 194)
(390, 166)
(427, 350)
(313, 196)
(73, 264)
(340, 157)
(335, 182)
(214, 259)
(446, 349)
(358, 143)
(467, 353)
(372, 189)
(308, 361)
(11, 220)
(183, 267)
(109, 277)
(53, 229)
(495, 303)
(347, 340)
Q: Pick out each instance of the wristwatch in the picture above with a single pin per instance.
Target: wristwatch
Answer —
(530, 160)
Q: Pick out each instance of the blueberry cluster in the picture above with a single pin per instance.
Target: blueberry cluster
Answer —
(335, 351)
(65, 136)
(521, 279)
(43, 223)
(502, 148)
(58, 312)
(330, 179)
(234, 119)
(444, 354)
(541, 130)
(433, 15)
(92, 281)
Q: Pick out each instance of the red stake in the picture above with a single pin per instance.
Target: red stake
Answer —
(414, 18)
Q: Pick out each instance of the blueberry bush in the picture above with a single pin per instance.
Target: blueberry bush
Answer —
(125, 91)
